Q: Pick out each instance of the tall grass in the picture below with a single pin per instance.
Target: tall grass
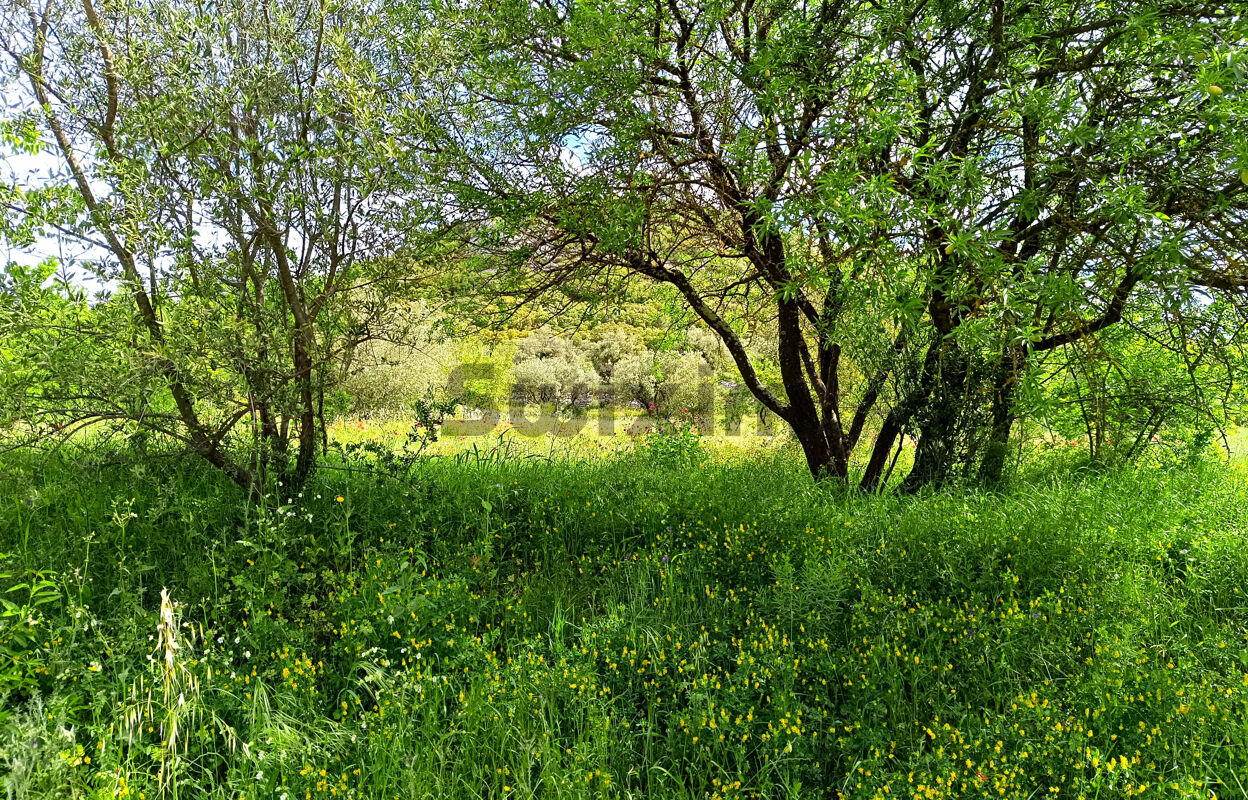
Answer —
(646, 625)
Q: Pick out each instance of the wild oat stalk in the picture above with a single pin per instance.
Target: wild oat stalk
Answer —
(180, 691)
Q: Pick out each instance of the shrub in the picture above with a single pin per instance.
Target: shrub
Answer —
(676, 443)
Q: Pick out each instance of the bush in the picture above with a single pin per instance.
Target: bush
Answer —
(676, 443)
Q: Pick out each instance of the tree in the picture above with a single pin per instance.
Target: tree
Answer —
(667, 383)
(221, 164)
(606, 345)
(1165, 375)
(550, 368)
(925, 194)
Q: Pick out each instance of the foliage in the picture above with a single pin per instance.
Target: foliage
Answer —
(666, 383)
(388, 373)
(429, 414)
(998, 248)
(917, 200)
(22, 623)
(550, 368)
(887, 222)
(676, 443)
(216, 170)
(707, 344)
(1157, 380)
(606, 345)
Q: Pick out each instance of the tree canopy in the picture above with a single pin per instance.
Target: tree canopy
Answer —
(933, 193)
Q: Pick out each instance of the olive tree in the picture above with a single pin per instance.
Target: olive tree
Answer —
(223, 166)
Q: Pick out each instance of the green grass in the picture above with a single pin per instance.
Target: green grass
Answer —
(625, 626)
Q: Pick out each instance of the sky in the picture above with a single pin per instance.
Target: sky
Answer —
(31, 171)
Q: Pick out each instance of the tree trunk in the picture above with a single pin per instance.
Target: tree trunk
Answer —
(815, 447)
(940, 429)
(306, 457)
(898, 417)
(889, 432)
(802, 413)
(992, 467)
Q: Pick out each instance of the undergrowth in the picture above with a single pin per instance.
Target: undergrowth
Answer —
(652, 625)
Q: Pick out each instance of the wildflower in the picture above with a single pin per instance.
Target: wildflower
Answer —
(339, 498)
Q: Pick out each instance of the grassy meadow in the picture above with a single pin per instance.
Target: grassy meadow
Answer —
(666, 621)
(623, 400)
